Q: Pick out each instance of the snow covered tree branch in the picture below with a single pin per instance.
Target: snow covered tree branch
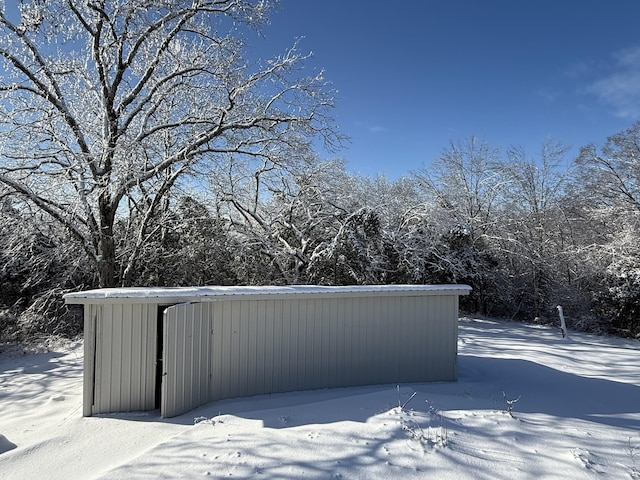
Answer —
(102, 97)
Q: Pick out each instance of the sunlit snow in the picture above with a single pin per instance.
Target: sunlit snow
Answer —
(577, 416)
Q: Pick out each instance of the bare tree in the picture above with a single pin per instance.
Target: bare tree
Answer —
(536, 184)
(464, 187)
(613, 173)
(536, 236)
(466, 182)
(107, 101)
(282, 216)
(609, 186)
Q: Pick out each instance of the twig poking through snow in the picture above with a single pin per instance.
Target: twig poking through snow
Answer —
(434, 435)
(408, 400)
(510, 403)
(401, 406)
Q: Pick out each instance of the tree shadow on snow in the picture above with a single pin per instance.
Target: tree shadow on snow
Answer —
(30, 380)
(280, 410)
(553, 392)
(481, 381)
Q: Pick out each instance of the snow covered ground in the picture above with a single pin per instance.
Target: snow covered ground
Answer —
(577, 415)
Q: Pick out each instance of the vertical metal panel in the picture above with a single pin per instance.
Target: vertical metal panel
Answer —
(289, 335)
(347, 316)
(143, 367)
(334, 343)
(186, 358)
(196, 365)
(226, 334)
(296, 345)
(124, 360)
(250, 319)
(219, 354)
(307, 332)
(268, 347)
(281, 342)
(104, 359)
(238, 365)
(88, 382)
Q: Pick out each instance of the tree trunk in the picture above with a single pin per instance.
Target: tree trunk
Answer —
(107, 258)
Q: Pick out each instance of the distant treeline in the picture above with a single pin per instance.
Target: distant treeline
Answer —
(527, 230)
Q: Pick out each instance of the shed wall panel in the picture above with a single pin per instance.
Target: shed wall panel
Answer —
(186, 358)
(268, 346)
(91, 313)
(124, 362)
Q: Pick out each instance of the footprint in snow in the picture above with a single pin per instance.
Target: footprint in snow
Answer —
(588, 459)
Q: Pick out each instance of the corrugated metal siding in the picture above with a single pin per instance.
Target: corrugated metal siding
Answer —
(237, 348)
(186, 358)
(247, 346)
(91, 313)
(125, 351)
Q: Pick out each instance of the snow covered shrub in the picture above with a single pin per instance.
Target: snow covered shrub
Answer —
(354, 255)
(48, 315)
(464, 258)
(188, 246)
(8, 323)
(619, 305)
(38, 262)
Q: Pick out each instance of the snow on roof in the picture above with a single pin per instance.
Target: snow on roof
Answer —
(211, 293)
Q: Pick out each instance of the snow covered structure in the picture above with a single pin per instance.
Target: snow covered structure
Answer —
(178, 348)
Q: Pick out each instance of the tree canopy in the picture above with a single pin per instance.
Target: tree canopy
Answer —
(107, 105)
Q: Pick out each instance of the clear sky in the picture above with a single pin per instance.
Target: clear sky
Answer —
(414, 75)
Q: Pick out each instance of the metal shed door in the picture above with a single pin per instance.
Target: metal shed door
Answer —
(186, 358)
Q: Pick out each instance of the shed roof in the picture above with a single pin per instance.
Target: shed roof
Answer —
(172, 295)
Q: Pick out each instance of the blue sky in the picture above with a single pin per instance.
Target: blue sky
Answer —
(414, 75)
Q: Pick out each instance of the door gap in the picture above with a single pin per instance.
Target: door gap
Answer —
(159, 354)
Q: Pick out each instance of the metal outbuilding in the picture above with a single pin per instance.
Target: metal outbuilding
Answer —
(178, 348)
